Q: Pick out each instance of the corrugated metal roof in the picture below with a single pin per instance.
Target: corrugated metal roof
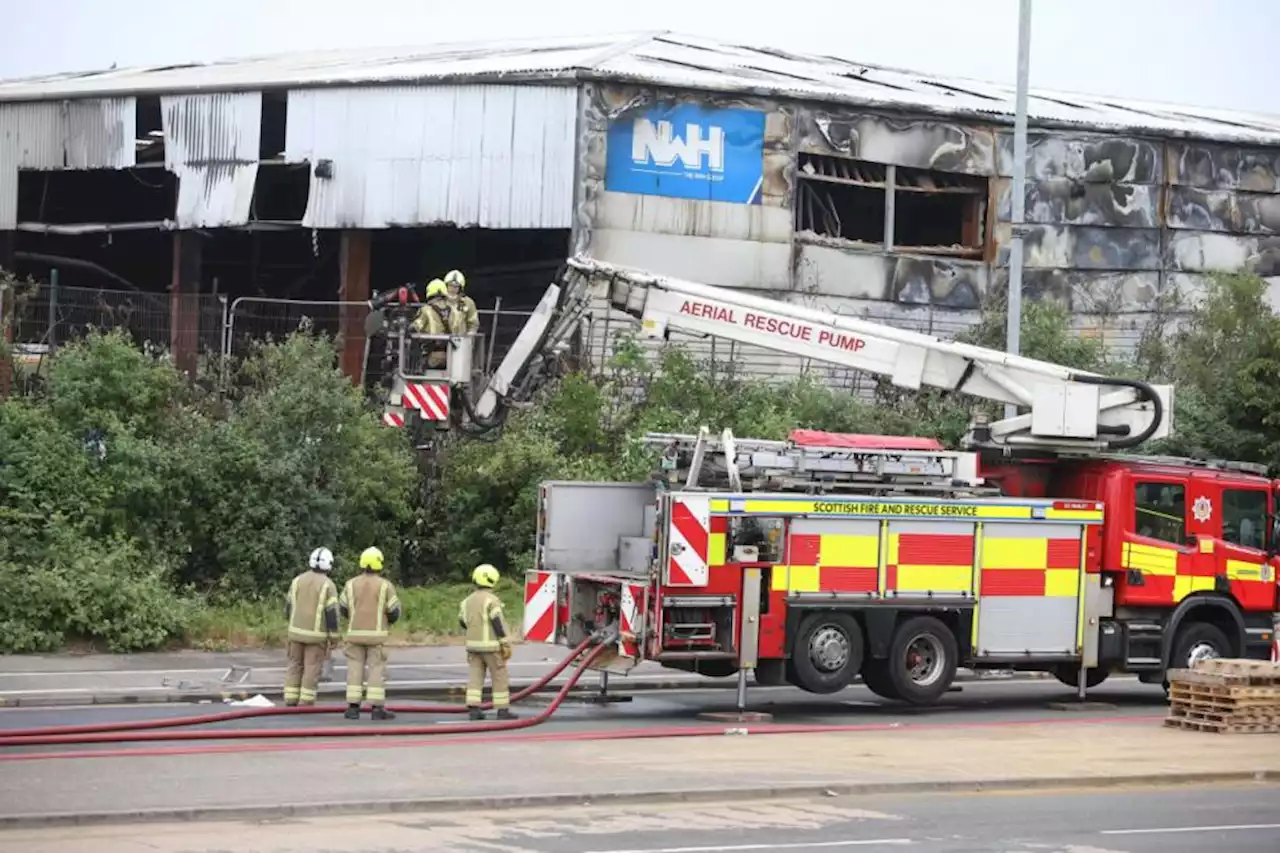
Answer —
(211, 144)
(661, 59)
(86, 134)
(491, 156)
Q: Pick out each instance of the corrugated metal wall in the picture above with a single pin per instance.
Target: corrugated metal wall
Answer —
(488, 156)
(211, 144)
(88, 134)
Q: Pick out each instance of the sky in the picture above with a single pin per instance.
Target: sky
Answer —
(1217, 53)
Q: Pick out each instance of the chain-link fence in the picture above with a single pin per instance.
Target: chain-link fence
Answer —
(44, 315)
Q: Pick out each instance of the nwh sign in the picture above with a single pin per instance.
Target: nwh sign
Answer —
(688, 152)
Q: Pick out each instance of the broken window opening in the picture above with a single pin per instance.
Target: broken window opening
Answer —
(105, 196)
(148, 131)
(281, 192)
(275, 119)
(939, 211)
(841, 198)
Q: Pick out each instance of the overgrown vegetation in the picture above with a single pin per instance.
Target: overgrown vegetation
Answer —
(138, 511)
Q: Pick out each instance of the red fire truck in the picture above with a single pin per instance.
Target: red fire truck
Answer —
(813, 561)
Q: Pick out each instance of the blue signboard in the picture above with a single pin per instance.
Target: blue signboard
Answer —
(687, 152)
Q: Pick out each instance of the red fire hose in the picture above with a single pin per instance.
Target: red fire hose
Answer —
(144, 730)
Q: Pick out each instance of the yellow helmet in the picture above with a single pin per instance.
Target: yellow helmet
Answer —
(485, 575)
(455, 277)
(436, 287)
(371, 559)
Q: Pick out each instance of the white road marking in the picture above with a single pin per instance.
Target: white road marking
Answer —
(812, 845)
(1169, 829)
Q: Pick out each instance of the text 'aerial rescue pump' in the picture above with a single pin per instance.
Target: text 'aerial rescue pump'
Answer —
(826, 557)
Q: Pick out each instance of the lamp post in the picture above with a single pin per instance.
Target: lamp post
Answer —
(1013, 328)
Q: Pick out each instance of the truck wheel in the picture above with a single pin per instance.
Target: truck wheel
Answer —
(1196, 642)
(827, 653)
(1069, 675)
(922, 660)
(875, 676)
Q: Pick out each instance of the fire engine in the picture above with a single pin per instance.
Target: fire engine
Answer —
(1042, 546)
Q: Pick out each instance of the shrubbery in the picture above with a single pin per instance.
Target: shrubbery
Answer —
(131, 502)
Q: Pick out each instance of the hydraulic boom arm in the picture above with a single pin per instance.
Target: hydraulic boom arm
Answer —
(1065, 410)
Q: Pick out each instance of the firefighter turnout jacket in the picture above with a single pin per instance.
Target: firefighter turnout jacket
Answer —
(312, 608)
(481, 618)
(370, 603)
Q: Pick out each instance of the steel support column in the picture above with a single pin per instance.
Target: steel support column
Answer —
(354, 257)
(184, 301)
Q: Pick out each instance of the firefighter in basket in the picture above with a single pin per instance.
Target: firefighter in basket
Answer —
(433, 319)
(463, 317)
(312, 610)
(488, 644)
(370, 603)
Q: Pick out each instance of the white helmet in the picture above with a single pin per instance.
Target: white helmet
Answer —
(455, 277)
(322, 559)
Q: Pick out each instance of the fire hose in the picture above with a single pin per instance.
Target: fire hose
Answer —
(146, 730)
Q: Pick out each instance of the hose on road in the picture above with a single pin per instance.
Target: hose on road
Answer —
(148, 730)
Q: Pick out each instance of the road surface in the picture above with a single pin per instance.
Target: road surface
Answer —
(973, 702)
(1239, 819)
(75, 679)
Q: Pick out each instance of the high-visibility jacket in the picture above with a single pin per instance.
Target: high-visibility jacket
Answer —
(370, 603)
(430, 318)
(463, 318)
(312, 608)
(481, 618)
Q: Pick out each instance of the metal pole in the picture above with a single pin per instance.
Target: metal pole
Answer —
(742, 690)
(1019, 191)
(493, 337)
(53, 310)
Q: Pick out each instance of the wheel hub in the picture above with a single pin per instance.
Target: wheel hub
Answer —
(924, 659)
(1199, 652)
(829, 649)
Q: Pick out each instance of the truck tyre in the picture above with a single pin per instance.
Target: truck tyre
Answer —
(1069, 674)
(828, 652)
(1198, 641)
(875, 676)
(922, 660)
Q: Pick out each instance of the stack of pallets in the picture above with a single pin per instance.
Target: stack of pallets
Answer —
(1227, 696)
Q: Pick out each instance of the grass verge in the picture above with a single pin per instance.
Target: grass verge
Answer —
(430, 618)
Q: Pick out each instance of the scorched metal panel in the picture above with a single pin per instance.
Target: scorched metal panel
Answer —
(211, 144)
(489, 156)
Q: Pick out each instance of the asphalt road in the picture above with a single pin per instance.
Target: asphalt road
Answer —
(1239, 819)
(977, 702)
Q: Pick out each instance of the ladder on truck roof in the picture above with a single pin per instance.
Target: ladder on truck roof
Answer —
(817, 463)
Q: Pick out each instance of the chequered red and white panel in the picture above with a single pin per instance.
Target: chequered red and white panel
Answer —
(540, 597)
(631, 609)
(689, 539)
(432, 401)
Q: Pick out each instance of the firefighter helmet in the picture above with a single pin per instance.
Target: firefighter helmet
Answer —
(485, 575)
(371, 559)
(435, 288)
(455, 277)
(321, 559)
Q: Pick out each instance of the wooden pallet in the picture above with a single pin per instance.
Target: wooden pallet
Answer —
(1226, 696)
(1222, 727)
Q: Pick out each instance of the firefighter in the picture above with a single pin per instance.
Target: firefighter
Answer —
(370, 603)
(431, 316)
(312, 610)
(488, 644)
(433, 319)
(465, 319)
